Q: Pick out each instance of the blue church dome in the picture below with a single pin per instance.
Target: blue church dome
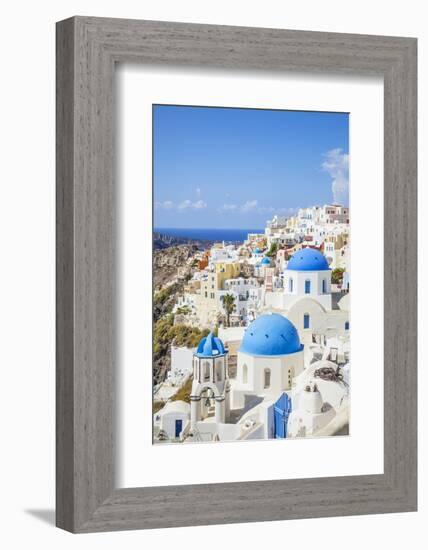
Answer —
(308, 259)
(271, 335)
(210, 346)
(265, 261)
(257, 251)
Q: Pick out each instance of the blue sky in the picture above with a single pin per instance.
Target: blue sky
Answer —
(236, 168)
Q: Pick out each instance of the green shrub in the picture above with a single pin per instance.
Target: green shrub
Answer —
(337, 275)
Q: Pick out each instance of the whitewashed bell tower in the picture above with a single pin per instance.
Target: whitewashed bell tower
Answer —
(211, 386)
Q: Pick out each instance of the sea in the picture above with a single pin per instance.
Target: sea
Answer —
(227, 235)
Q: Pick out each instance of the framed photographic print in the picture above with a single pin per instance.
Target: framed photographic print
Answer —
(232, 332)
(218, 190)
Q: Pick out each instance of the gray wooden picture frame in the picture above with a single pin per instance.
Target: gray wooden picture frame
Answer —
(87, 51)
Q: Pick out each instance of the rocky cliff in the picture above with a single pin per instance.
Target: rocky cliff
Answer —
(172, 262)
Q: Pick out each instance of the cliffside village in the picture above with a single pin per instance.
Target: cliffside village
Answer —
(275, 363)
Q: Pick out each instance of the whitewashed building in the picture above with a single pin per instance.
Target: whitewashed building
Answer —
(172, 420)
(181, 363)
(223, 253)
(306, 297)
(240, 288)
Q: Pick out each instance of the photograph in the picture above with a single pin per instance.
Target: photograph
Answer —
(251, 274)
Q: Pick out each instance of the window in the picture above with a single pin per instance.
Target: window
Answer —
(219, 371)
(244, 374)
(347, 325)
(206, 370)
(307, 287)
(306, 320)
(290, 285)
(267, 379)
(324, 286)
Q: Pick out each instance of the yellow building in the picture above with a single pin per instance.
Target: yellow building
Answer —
(336, 250)
(292, 223)
(207, 301)
(226, 271)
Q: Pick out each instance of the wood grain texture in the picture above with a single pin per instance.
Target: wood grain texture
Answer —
(87, 50)
(64, 276)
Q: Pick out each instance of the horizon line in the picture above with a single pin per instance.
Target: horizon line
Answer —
(212, 228)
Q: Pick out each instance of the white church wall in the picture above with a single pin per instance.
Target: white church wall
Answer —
(181, 359)
(336, 321)
(254, 432)
(304, 424)
(256, 367)
(321, 321)
(257, 423)
(275, 300)
(344, 302)
(229, 432)
(231, 334)
(296, 283)
(288, 300)
(265, 375)
(311, 307)
(264, 414)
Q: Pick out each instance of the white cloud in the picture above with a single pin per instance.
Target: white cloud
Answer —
(249, 206)
(166, 205)
(252, 206)
(336, 164)
(229, 208)
(187, 204)
(184, 205)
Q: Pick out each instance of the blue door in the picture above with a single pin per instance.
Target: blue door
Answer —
(281, 412)
(178, 427)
